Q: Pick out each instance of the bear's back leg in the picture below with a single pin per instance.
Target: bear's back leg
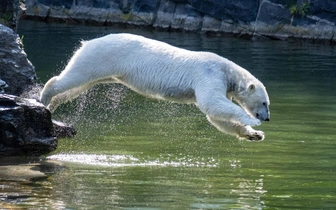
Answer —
(58, 91)
(48, 91)
(67, 95)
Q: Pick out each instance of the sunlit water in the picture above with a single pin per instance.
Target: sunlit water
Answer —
(124, 160)
(133, 152)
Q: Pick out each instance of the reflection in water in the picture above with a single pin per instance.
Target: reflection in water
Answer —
(25, 183)
(249, 193)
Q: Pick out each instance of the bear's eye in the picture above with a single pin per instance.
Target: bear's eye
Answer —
(264, 104)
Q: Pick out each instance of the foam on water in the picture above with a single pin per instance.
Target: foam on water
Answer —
(129, 160)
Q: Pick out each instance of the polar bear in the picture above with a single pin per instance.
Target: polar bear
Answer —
(156, 69)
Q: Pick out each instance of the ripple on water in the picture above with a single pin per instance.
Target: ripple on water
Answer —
(129, 160)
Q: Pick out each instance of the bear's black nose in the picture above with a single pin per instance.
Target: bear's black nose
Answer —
(267, 119)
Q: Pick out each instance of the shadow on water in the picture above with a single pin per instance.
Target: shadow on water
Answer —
(132, 152)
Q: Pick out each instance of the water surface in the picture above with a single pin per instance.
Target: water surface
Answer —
(132, 152)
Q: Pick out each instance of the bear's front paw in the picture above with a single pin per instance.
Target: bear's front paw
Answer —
(255, 136)
(251, 134)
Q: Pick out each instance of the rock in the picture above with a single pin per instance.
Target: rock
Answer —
(233, 10)
(21, 172)
(186, 18)
(15, 69)
(63, 130)
(3, 85)
(325, 10)
(211, 24)
(165, 15)
(264, 18)
(271, 20)
(276, 20)
(25, 124)
(26, 127)
(9, 13)
(144, 12)
(273, 14)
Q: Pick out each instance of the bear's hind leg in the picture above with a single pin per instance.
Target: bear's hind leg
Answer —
(57, 92)
(67, 96)
(49, 91)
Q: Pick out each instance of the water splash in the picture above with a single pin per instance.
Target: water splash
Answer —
(99, 160)
(33, 92)
(99, 99)
(129, 160)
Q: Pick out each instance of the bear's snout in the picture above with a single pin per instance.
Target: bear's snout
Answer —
(262, 118)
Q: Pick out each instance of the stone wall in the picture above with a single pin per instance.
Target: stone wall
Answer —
(277, 19)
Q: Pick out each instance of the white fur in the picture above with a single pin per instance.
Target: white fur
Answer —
(159, 70)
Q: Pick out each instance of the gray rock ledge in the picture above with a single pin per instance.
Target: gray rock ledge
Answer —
(26, 127)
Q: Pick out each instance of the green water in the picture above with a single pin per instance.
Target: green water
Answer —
(133, 152)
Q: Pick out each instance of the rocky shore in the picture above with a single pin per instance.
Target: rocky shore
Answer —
(287, 19)
(26, 126)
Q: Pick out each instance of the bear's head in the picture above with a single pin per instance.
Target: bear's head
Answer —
(253, 98)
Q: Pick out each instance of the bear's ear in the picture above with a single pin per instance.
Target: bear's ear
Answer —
(251, 88)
